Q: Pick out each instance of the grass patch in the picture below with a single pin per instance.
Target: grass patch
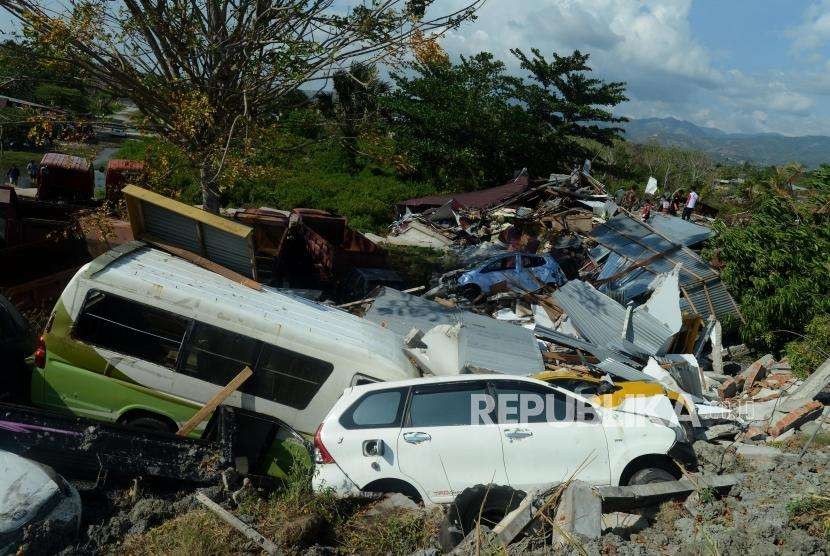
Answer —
(811, 513)
(195, 533)
(796, 442)
(21, 158)
(398, 532)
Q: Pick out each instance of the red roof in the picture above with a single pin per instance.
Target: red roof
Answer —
(69, 162)
(123, 165)
(474, 199)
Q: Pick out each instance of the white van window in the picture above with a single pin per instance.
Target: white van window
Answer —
(131, 328)
(296, 378)
(217, 355)
(444, 405)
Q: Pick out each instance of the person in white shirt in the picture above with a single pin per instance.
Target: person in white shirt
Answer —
(691, 201)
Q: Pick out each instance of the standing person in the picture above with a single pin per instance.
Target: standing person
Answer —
(646, 212)
(665, 205)
(13, 174)
(676, 201)
(31, 167)
(691, 201)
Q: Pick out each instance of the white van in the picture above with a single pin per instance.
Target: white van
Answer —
(144, 338)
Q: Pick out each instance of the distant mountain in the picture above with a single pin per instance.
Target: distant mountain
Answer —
(759, 148)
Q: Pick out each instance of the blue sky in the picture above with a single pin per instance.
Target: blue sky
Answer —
(738, 65)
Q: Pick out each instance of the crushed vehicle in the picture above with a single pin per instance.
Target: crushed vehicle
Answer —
(431, 438)
(89, 449)
(16, 343)
(145, 338)
(525, 271)
(65, 177)
(37, 506)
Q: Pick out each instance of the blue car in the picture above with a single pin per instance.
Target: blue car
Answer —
(520, 271)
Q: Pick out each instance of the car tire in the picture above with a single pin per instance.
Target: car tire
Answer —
(492, 502)
(148, 423)
(470, 291)
(650, 475)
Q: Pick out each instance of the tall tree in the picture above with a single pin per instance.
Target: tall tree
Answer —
(358, 91)
(472, 123)
(200, 70)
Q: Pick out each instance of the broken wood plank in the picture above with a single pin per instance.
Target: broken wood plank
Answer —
(249, 532)
(215, 401)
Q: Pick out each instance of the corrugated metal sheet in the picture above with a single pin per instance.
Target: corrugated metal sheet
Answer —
(600, 320)
(473, 199)
(228, 250)
(165, 221)
(679, 230)
(66, 161)
(170, 227)
(599, 352)
(484, 342)
(631, 241)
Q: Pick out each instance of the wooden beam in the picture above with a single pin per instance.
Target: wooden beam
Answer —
(215, 401)
(249, 532)
(203, 262)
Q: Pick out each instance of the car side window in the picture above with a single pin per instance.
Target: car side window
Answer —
(452, 404)
(217, 355)
(504, 263)
(132, 328)
(380, 409)
(518, 402)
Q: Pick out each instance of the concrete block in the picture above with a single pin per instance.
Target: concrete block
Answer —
(728, 389)
(726, 430)
(811, 387)
(580, 510)
(797, 417)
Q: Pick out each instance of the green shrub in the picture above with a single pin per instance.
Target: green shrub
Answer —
(809, 352)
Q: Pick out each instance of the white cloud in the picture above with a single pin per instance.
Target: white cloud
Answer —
(814, 30)
(650, 45)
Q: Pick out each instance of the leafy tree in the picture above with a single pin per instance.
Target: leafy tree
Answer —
(472, 123)
(776, 265)
(355, 104)
(201, 71)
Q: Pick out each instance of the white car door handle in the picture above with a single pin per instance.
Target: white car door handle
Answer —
(416, 437)
(517, 433)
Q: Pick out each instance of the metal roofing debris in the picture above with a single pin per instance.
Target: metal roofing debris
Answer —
(472, 199)
(66, 161)
(484, 342)
(599, 352)
(635, 242)
(602, 321)
(158, 219)
(679, 230)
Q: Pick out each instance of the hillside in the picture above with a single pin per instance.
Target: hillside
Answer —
(760, 148)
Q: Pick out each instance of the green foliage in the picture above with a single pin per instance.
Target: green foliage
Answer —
(776, 265)
(807, 353)
(417, 265)
(473, 124)
(811, 513)
(284, 170)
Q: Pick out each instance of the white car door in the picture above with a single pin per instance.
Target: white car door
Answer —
(366, 437)
(441, 449)
(549, 437)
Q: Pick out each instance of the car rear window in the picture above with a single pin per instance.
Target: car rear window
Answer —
(381, 409)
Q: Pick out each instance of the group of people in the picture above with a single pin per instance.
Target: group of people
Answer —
(13, 175)
(671, 206)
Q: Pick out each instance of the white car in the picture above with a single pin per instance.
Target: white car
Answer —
(431, 438)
